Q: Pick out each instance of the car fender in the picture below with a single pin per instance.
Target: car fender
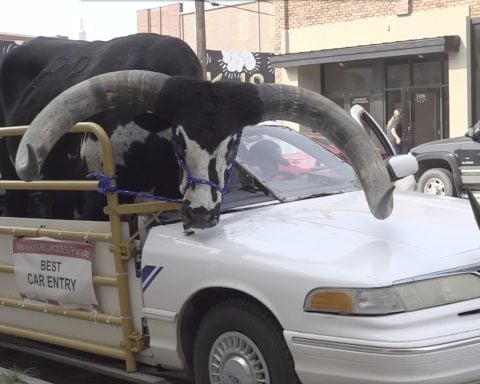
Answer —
(449, 158)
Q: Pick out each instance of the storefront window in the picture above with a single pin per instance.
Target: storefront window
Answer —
(398, 75)
(334, 78)
(359, 78)
(427, 73)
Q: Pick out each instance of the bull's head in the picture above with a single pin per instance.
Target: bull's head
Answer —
(206, 120)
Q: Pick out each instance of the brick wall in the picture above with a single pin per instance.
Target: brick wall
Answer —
(248, 26)
(304, 13)
(163, 20)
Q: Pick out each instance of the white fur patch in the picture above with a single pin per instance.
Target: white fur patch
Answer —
(122, 139)
(197, 161)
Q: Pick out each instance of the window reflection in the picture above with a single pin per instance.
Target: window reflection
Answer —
(360, 78)
(398, 75)
(427, 73)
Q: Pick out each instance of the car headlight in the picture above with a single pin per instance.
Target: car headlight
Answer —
(397, 298)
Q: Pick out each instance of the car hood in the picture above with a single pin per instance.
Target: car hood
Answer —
(335, 239)
(438, 144)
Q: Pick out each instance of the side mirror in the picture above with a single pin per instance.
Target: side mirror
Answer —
(400, 166)
(378, 137)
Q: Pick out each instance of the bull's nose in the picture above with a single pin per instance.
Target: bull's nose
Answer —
(199, 217)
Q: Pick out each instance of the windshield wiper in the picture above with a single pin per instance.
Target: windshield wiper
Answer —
(320, 194)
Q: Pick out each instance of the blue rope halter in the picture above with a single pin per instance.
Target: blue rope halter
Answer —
(105, 186)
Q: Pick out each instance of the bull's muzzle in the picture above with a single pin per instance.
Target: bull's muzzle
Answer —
(199, 217)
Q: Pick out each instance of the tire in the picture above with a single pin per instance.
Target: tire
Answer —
(239, 342)
(436, 181)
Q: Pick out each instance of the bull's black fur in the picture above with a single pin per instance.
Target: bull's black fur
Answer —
(36, 72)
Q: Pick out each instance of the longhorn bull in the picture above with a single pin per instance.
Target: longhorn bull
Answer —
(205, 120)
(35, 73)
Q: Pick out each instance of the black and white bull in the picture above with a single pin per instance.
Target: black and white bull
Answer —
(203, 121)
(35, 73)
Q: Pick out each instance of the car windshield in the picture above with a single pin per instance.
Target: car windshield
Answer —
(277, 163)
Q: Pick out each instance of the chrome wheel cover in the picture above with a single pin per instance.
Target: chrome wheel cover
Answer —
(235, 359)
(434, 187)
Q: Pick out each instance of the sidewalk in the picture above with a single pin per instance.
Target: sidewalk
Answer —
(12, 377)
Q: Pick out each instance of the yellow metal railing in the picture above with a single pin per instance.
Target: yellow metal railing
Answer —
(121, 248)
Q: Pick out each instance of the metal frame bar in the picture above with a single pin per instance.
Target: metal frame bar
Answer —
(130, 339)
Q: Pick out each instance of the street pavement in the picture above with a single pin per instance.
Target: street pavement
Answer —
(46, 371)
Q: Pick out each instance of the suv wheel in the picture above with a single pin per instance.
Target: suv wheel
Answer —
(436, 181)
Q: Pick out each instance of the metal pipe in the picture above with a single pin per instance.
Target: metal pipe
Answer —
(79, 345)
(121, 263)
(72, 313)
(60, 234)
(51, 185)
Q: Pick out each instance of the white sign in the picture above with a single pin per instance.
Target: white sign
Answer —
(55, 272)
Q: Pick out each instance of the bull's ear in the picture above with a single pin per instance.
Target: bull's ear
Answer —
(151, 122)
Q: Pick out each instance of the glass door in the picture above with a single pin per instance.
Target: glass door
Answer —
(424, 116)
(395, 100)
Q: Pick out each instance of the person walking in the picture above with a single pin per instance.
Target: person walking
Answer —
(394, 131)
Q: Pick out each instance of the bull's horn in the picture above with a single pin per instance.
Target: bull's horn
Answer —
(135, 88)
(283, 102)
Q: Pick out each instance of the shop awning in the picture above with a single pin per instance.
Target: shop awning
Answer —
(372, 51)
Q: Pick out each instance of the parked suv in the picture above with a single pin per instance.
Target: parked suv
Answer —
(447, 166)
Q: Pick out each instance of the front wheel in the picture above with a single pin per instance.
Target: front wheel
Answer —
(436, 181)
(239, 342)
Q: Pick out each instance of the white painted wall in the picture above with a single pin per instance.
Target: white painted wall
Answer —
(418, 25)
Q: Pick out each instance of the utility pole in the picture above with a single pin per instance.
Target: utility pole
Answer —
(201, 34)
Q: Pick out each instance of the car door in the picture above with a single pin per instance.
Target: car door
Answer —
(400, 167)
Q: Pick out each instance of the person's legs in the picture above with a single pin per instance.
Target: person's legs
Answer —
(398, 148)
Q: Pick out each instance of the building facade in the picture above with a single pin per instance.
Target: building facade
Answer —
(246, 26)
(239, 38)
(421, 56)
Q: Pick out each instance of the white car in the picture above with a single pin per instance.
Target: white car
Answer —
(299, 283)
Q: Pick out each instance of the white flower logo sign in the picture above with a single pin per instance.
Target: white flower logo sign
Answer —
(233, 63)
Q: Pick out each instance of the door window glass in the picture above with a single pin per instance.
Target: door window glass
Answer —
(424, 115)
(445, 114)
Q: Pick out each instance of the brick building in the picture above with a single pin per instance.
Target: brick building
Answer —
(247, 26)
(420, 55)
(245, 30)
